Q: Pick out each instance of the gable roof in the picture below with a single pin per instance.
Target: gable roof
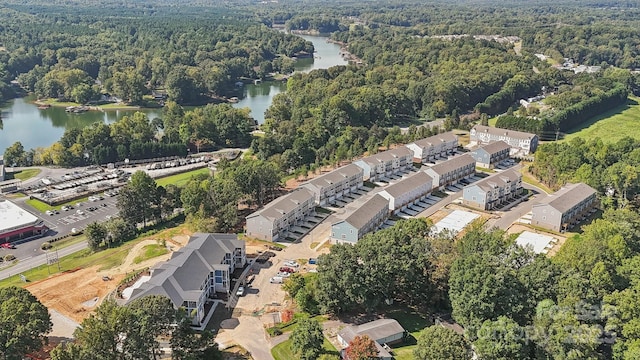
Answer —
(284, 204)
(436, 139)
(377, 329)
(389, 155)
(503, 132)
(366, 212)
(495, 147)
(567, 197)
(497, 180)
(334, 176)
(180, 277)
(453, 164)
(408, 184)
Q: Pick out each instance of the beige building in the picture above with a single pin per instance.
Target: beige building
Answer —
(274, 220)
(565, 208)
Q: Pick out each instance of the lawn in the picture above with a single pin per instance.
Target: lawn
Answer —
(26, 174)
(42, 206)
(612, 125)
(182, 179)
(282, 351)
(413, 322)
(149, 252)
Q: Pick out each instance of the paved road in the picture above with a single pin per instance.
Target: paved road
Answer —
(512, 215)
(41, 259)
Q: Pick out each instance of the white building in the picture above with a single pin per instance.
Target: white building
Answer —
(520, 142)
(407, 191)
(386, 163)
(433, 147)
(331, 186)
(277, 217)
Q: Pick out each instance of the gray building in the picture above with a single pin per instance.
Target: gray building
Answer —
(277, 217)
(331, 186)
(2, 171)
(564, 208)
(433, 147)
(487, 156)
(384, 164)
(407, 191)
(363, 220)
(381, 331)
(493, 191)
(451, 171)
(195, 273)
(521, 143)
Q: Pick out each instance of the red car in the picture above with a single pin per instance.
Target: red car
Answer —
(287, 269)
(8, 246)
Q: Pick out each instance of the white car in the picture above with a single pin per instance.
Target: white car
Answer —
(283, 274)
(80, 212)
(49, 212)
(240, 291)
(291, 263)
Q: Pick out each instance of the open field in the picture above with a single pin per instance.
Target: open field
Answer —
(26, 174)
(42, 206)
(612, 125)
(181, 180)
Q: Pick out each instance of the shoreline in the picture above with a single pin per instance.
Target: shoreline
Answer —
(91, 108)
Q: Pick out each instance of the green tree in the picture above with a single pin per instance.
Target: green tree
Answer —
(307, 339)
(25, 322)
(138, 201)
(439, 343)
(187, 344)
(15, 154)
(96, 235)
(502, 339)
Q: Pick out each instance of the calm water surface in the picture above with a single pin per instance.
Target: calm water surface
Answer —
(23, 121)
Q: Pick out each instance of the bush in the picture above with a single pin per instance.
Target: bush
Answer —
(274, 331)
(9, 257)
(46, 246)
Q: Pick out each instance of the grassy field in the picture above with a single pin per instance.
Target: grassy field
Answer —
(26, 174)
(283, 351)
(612, 125)
(180, 180)
(42, 206)
(149, 252)
(413, 322)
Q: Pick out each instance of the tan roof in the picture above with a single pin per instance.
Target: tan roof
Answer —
(408, 184)
(435, 139)
(495, 147)
(453, 164)
(498, 180)
(284, 204)
(567, 197)
(367, 211)
(388, 155)
(334, 176)
(503, 132)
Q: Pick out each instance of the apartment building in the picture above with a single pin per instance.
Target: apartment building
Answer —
(564, 208)
(451, 171)
(384, 164)
(433, 147)
(407, 191)
(521, 143)
(333, 185)
(363, 220)
(276, 218)
(493, 191)
(489, 155)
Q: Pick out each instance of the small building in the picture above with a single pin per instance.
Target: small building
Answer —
(17, 223)
(564, 208)
(451, 171)
(493, 191)
(407, 191)
(2, 171)
(363, 220)
(277, 217)
(433, 147)
(520, 142)
(384, 164)
(487, 156)
(195, 273)
(331, 186)
(382, 332)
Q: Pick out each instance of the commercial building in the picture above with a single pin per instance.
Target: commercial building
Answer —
(565, 208)
(407, 191)
(363, 220)
(521, 143)
(277, 217)
(489, 155)
(433, 147)
(385, 164)
(382, 332)
(451, 171)
(17, 224)
(331, 186)
(493, 191)
(195, 273)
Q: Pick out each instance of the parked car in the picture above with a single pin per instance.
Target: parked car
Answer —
(80, 212)
(240, 291)
(291, 263)
(49, 212)
(287, 269)
(283, 274)
(313, 261)
(66, 208)
(276, 248)
(7, 246)
(276, 280)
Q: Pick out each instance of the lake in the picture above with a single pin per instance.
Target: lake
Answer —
(23, 121)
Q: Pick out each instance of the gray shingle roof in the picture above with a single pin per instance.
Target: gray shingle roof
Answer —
(503, 132)
(367, 211)
(569, 196)
(496, 146)
(453, 164)
(436, 139)
(408, 184)
(284, 204)
(377, 329)
(334, 176)
(389, 155)
(499, 179)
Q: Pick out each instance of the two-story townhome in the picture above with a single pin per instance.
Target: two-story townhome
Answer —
(333, 185)
(493, 191)
(364, 219)
(451, 171)
(520, 142)
(487, 156)
(433, 147)
(277, 217)
(386, 163)
(407, 191)
(195, 273)
(564, 208)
